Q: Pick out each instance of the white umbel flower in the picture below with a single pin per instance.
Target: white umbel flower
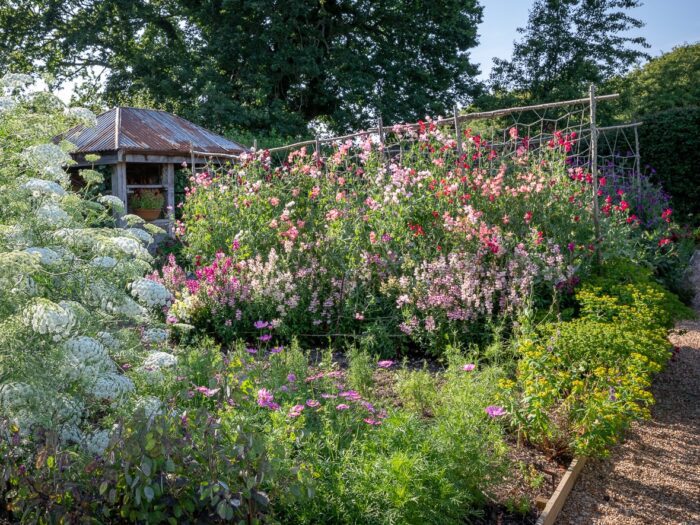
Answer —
(130, 246)
(52, 214)
(47, 318)
(96, 442)
(114, 302)
(141, 235)
(113, 202)
(151, 406)
(150, 293)
(46, 255)
(104, 261)
(108, 340)
(158, 360)
(154, 335)
(43, 187)
(111, 386)
(86, 358)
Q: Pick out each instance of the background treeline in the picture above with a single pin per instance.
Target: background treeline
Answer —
(280, 70)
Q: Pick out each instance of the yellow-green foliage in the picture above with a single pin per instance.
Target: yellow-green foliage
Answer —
(581, 382)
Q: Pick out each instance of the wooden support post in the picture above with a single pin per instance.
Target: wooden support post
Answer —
(637, 166)
(194, 171)
(594, 174)
(458, 130)
(169, 183)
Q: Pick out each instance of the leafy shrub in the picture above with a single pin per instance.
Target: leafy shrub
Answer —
(582, 382)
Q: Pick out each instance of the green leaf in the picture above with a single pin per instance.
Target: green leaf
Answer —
(148, 492)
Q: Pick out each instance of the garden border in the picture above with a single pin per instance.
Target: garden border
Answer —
(560, 495)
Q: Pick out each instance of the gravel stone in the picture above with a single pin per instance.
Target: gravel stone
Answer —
(654, 475)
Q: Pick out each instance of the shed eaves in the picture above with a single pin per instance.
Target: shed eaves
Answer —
(136, 130)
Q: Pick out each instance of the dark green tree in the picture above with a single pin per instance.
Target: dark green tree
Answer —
(261, 66)
(568, 44)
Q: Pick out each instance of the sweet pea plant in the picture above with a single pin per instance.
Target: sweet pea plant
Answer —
(414, 240)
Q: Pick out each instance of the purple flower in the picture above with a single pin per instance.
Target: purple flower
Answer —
(291, 378)
(368, 406)
(265, 338)
(351, 395)
(469, 367)
(312, 403)
(276, 349)
(495, 411)
(261, 325)
(342, 406)
(371, 421)
(387, 363)
(251, 350)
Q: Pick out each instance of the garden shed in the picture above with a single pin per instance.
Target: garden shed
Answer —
(143, 148)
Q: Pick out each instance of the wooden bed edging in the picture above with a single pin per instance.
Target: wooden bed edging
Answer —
(556, 502)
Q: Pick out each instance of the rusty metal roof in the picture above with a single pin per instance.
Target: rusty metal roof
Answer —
(149, 131)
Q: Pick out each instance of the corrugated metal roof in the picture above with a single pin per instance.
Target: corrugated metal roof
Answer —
(136, 130)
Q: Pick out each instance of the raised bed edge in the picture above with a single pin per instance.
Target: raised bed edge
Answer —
(558, 498)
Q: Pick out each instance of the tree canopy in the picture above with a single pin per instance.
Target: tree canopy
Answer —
(268, 67)
(568, 44)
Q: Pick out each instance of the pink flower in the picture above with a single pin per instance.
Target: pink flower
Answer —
(296, 410)
(312, 403)
(261, 325)
(385, 364)
(266, 399)
(513, 132)
(469, 367)
(206, 391)
(342, 406)
(371, 421)
(265, 338)
(495, 411)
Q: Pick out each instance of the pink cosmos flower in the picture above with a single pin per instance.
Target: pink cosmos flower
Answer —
(371, 421)
(342, 406)
(261, 325)
(296, 410)
(266, 399)
(312, 403)
(387, 363)
(265, 338)
(469, 367)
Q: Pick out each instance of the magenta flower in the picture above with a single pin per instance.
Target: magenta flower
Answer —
(495, 411)
(265, 338)
(261, 325)
(328, 396)
(266, 399)
(387, 363)
(469, 367)
(291, 378)
(368, 406)
(251, 350)
(276, 349)
(342, 406)
(312, 403)
(371, 421)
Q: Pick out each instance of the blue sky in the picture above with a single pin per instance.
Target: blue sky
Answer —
(668, 24)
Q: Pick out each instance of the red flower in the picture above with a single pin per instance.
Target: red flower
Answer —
(664, 242)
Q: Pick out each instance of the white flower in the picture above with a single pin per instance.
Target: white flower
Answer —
(46, 255)
(96, 442)
(158, 360)
(114, 302)
(48, 318)
(108, 340)
(77, 238)
(132, 220)
(53, 214)
(150, 405)
(49, 159)
(104, 262)
(141, 235)
(7, 104)
(84, 115)
(150, 293)
(112, 201)
(45, 187)
(130, 246)
(14, 81)
(86, 358)
(111, 386)
(154, 335)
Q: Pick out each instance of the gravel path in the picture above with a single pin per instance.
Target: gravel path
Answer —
(654, 476)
